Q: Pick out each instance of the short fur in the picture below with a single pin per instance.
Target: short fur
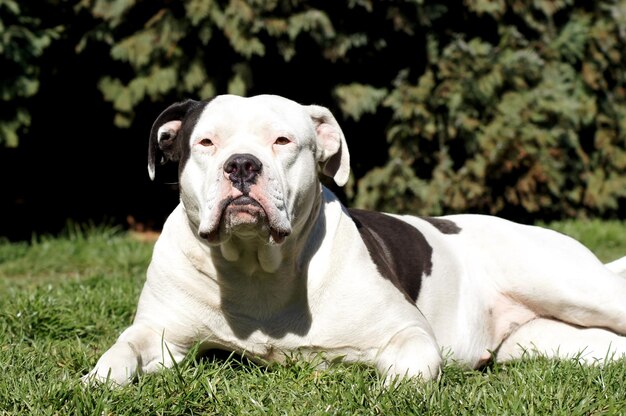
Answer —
(268, 262)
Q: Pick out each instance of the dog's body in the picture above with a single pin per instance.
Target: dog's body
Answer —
(260, 258)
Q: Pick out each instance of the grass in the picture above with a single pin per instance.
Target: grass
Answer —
(64, 300)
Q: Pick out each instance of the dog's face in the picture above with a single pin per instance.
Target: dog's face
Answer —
(248, 166)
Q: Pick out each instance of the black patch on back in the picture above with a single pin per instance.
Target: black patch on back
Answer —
(443, 225)
(399, 250)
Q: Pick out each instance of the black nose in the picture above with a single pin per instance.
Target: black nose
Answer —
(242, 170)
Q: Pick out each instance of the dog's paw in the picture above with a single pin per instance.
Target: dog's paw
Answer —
(412, 353)
(97, 377)
(118, 366)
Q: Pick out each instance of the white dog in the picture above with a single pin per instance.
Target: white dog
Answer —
(260, 258)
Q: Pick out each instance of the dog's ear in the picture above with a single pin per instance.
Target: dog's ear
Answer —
(165, 130)
(331, 143)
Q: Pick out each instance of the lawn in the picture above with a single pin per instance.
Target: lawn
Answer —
(64, 300)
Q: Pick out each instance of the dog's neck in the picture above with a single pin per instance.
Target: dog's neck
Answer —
(251, 255)
(274, 276)
(256, 258)
(256, 278)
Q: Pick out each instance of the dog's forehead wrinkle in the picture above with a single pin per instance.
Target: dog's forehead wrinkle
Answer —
(234, 129)
(231, 114)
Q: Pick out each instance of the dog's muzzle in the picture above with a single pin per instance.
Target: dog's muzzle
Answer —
(246, 206)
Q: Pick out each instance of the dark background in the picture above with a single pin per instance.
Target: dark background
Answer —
(75, 163)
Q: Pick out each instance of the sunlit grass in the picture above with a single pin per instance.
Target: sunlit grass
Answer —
(64, 301)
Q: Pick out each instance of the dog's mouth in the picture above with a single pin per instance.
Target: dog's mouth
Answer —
(245, 217)
(243, 200)
(243, 210)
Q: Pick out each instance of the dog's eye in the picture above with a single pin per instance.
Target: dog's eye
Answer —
(206, 142)
(282, 140)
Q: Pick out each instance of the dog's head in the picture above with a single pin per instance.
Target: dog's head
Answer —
(248, 166)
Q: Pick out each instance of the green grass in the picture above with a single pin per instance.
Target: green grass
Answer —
(64, 300)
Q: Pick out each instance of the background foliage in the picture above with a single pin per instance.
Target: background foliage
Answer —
(510, 108)
(23, 39)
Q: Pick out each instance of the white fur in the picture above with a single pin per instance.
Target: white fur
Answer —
(495, 287)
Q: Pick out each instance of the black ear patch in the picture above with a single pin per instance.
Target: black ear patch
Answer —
(167, 146)
(171, 145)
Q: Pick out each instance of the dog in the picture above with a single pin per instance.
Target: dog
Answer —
(260, 258)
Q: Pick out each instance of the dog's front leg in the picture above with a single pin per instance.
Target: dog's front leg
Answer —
(139, 349)
(412, 352)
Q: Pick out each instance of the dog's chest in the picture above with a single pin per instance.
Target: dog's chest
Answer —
(283, 337)
(272, 323)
